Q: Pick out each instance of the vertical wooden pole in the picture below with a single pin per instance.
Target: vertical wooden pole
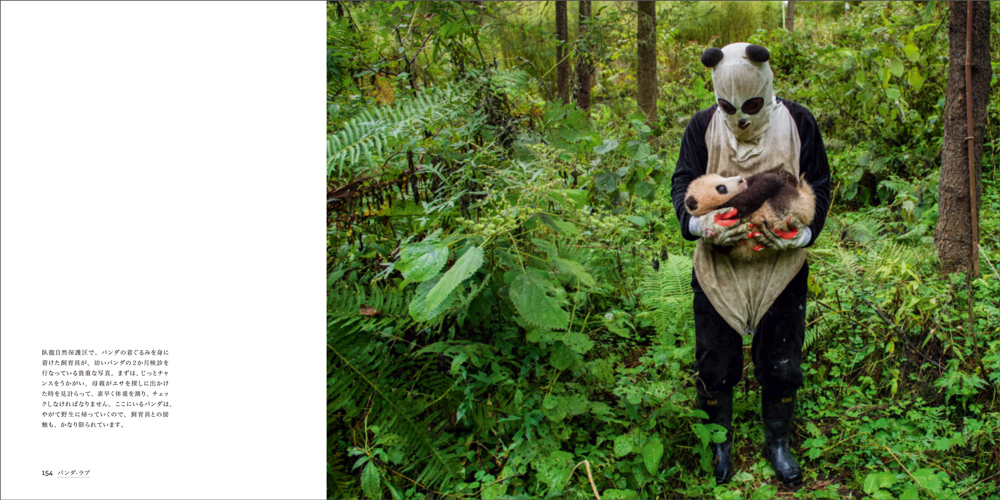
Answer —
(974, 258)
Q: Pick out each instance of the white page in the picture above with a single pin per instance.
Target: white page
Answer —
(162, 188)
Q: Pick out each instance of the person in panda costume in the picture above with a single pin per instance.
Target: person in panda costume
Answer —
(749, 131)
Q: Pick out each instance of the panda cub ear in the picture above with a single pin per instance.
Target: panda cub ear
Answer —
(755, 53)
(711, 57)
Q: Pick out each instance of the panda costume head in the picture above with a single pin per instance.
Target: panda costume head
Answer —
(743, 89)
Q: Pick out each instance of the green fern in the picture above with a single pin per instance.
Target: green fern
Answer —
(340, 46)
(338, 479)
(812, 336)
(895, 185)
(366, 381)
(866, 230)
(377, 132)
(668, 294)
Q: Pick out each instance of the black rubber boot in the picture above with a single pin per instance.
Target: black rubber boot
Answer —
(777, 414)
(720, 411)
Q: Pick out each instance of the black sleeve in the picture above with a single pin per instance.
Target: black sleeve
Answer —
(812, 163)
(692, 162)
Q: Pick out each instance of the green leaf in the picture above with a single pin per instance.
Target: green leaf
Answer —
(546, 246)
(576, 404)
(613, 494)
(892, 93)
(704, 435)
(651, 455)
(418, 307)
(645, 190)
(560, 226)
(941, 444)
(463, 269)
(534, 305)
(623, 445)
(911, 493)
(896, 67)
(599, 408)
(876, 480)
(878, 165)
(638, 150)
(554, 470)
(576, 269)
(608, 145)
(826, 494)
(578, 342)
(811, 427)
(637, 220)
(422, 261)
(543, 335)
(864, 159)
(915, 79)
(370, 481)
(642, 127)
(562, 357)
(606, 181)
(765, 492)
(434, 295)
(575, 198)
(912, 52)
(554, 407)
(929, 478)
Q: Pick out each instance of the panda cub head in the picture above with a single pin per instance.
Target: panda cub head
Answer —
(711, 191)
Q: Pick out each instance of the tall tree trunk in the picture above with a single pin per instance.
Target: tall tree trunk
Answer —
(953, 236)
(584, 67)
(790, 17)
(562, 52)
(646, 53)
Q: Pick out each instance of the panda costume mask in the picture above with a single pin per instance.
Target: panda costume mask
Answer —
(743, 89)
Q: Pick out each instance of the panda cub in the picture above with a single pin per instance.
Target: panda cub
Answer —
(768, 197)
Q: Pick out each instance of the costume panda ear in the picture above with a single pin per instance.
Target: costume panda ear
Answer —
(755, 53)
(711, 57)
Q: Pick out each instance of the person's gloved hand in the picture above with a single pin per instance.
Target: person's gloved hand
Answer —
(720, 227)
(797, 236)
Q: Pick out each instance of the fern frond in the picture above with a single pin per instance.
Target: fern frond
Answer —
(896, 185)
(361, 372)
(812, 335)
(367, 375)
(374, 133)
(338, 479)
(668, 293)
(866, 230)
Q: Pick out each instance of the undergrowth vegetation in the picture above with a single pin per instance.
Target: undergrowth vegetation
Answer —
(509, 300)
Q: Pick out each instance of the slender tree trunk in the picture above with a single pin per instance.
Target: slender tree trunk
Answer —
(562, 52)
(646, 54)
(790, 17)
(584, 67)
(953, 236)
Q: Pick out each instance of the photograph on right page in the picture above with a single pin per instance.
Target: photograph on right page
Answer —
(624, 250)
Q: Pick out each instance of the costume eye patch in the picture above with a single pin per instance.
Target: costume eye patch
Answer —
(728, 108)
(721, 189)
(753, 106)
(750, 107)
